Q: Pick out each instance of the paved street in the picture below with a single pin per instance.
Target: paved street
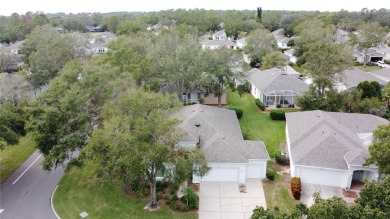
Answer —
(27, 192)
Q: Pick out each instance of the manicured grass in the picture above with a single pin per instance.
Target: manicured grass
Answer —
(277, 191)
(256, 125)
(298, 69)
(368, 68)
(78, 191)
(13, 156)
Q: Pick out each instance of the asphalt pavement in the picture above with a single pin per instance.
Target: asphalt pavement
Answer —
(26, 194)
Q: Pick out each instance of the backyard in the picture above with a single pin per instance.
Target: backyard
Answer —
(256, 125)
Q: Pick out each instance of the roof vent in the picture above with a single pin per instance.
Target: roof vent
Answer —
(222, 136)
(201, 109)
(197, 124)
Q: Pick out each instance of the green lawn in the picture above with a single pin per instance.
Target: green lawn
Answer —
(78, 191)
(298, 69)
(13, 156)
(368, 68)
(256, 125)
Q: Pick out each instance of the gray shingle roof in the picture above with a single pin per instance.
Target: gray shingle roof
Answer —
(220, 134)
(220, 33)
(218, 43)
(275, 80)
(329, 139)
(354, 76)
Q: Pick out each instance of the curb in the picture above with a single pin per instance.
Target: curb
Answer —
(51, 203)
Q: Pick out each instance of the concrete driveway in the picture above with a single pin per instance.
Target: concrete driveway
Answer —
(224, 200)
(326, 192)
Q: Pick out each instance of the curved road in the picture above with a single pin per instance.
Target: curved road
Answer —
(27, 192)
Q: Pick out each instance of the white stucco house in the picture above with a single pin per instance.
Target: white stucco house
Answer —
(281, 40)
(276, 86)
(220, 35)
(241, 43)
(99, 43)
(290, 54)
(217, 44)
(329, 148)
(217, 133)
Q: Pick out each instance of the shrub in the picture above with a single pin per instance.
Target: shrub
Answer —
(279, 114)
(260, 104)
(282, 159)
(271, 174)
(239, 112)
(190, 198)
(387, 61)
(296, 187)
(241, 89)
(161, 185)
(247, 86)
(159, 196)
(174, 198)
(172, 190)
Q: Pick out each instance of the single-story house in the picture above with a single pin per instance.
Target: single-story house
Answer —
(241, 43)
(15, 48)
(216, 44)
(290, 54)
(204, 98)
(385, 50)
(353, 76)
(373, 56)
(276, 86)
(281, 39)
(330, 148)
(99, 44)
(217, 133)
(220, 35)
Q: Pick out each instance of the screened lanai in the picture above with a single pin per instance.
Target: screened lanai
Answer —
(285, 98)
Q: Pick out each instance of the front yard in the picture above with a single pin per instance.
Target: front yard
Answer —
(79, 191)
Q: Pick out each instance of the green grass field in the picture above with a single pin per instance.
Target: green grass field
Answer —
(256, 125)
(78, 191)
(13, 156)
(368, 68)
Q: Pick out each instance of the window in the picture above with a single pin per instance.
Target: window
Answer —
(215, 96)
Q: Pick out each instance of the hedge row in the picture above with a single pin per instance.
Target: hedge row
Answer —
(279, 114)
(296, 187)
(239, 112)
(282, 159)
(260, 104)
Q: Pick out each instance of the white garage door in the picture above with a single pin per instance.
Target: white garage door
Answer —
(323, 177)
(223, 174)
(255, 171)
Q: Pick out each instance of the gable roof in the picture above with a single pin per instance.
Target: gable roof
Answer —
(354, 76)
(219, 33)
(218, 43)
(329, 139)
(219, 134)
(275, 80)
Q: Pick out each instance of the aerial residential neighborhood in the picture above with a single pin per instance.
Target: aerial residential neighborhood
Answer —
(195, 110)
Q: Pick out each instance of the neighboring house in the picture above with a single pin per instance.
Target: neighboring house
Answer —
(203, 97)
(385, 50)
(217, 44)
(276, 86)
(373, 56)
(15, 48)
(330, 148)
(99, 44)
(353, 76)
(220, 35)
(281, 39)
(217, 133)
(241, 43)
(290, 54)
(94, 29)
(13, 59)
(342, 36)
(383, 74)
(157, 27)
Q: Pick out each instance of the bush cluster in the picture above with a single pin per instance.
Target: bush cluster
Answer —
(282, 159)
(271, 174)
(191, 199)
(296, 187)
(260, 104)
(279, 114)
(239, 112)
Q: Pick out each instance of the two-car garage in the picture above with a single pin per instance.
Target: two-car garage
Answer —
(234, 172)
